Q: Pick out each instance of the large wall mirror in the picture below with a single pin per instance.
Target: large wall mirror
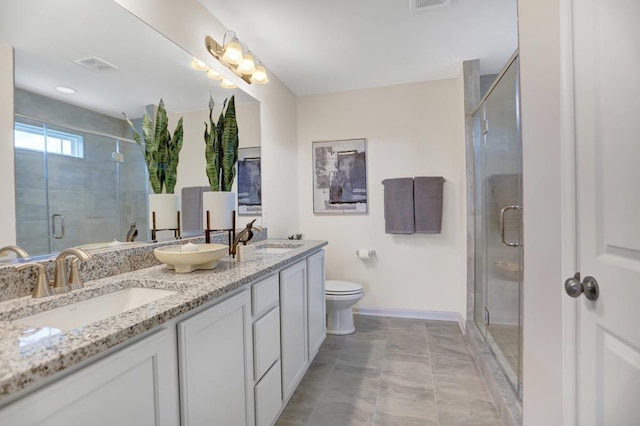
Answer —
(80, 178)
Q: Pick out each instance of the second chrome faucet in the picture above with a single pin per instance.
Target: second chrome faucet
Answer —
(62, 282)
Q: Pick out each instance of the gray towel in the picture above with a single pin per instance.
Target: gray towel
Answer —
(191, 209)
(428, 204)
(398, 206)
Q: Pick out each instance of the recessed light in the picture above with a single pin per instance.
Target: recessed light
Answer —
(66, 90)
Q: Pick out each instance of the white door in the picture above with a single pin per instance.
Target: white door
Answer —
(293, 326)
(606, 72)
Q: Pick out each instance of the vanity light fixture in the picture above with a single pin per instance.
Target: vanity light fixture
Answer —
(232, 51)
(227, 84)
(213, 74)
(240, 61)
(260, 76)
(248, 65)
(66, 90)
(198, 65)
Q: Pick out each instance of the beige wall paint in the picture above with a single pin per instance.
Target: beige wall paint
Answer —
(411, 130)
(7, 192)
(539, 29)
(277, 104)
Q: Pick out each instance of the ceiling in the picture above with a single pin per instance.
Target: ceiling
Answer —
(149, 66)
(336, 45)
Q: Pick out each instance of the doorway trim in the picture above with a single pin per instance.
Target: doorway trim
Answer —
(569, 213)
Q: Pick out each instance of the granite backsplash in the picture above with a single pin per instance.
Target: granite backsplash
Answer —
(105, 263)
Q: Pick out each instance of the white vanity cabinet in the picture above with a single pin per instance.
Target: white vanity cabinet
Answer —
(293, 326)
(234, 362)
(316, 305)
(216, 364)
(137, 385)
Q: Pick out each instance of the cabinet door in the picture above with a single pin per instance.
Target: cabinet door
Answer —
(293, 326)
(137, 385)
(216, 363)
(316, 302)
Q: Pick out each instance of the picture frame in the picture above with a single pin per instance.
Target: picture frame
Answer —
(249, 182)
(340, 176)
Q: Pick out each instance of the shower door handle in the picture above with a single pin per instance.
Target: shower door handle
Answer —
(53, 226)
(502, 237)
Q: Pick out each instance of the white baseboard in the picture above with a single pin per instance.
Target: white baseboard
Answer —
(410, 313)
(462, 323)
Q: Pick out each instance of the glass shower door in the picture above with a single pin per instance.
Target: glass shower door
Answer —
(82, 188)
(75, 187)
(498, 237)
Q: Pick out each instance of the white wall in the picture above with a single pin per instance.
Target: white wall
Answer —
(7, 192)
(411, 130)
(543, 292)
(187, 23)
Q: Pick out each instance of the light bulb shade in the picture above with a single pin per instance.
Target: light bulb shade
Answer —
(227, 84)
(198, 65)
(232, 52)
(248, 65)
(214, 75)
(260, 76)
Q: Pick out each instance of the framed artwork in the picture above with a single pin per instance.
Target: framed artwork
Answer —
(340, 176)
(249, 182)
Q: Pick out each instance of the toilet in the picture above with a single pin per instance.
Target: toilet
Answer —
(340, 297)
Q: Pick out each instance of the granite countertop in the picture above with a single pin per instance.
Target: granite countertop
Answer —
(29, 355)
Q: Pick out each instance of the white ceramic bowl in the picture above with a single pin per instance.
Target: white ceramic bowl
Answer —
(206, 257)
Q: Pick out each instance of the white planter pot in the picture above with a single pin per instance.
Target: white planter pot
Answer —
(166, 207)
(220, 205)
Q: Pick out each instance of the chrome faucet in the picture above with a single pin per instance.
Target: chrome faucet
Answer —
(19, 251)
(61, 281)
(42, 287)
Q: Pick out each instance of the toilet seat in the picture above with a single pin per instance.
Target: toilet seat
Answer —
(342, 288)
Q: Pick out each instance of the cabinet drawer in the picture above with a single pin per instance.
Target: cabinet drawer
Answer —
(268, 397)
(265, 295)
(266, 342)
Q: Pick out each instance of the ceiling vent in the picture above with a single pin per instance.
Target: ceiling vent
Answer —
(427, 4)
(95, 64)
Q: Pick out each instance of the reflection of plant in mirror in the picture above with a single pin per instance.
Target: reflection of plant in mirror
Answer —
(160, 151)
(221, 146)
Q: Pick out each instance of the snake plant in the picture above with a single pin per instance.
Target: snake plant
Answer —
(221, 146)
(160, 151)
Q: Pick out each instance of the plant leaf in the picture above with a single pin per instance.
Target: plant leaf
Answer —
(174, 155)
(211, 142)
(229, 146)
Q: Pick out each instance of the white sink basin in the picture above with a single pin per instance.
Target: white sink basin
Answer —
(273, 250)
(95, 309)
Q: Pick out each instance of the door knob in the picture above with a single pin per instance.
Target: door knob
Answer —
(589, 287)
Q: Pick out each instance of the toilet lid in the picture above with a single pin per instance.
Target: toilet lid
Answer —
(342, 287)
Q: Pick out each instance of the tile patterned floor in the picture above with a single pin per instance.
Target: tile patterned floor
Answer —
(393, 371)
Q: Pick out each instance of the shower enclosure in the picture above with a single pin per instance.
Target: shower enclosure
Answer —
(498, 220)
(75, 187)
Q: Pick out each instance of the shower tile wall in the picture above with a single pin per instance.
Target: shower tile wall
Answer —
(84, 190)
(31, 209)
